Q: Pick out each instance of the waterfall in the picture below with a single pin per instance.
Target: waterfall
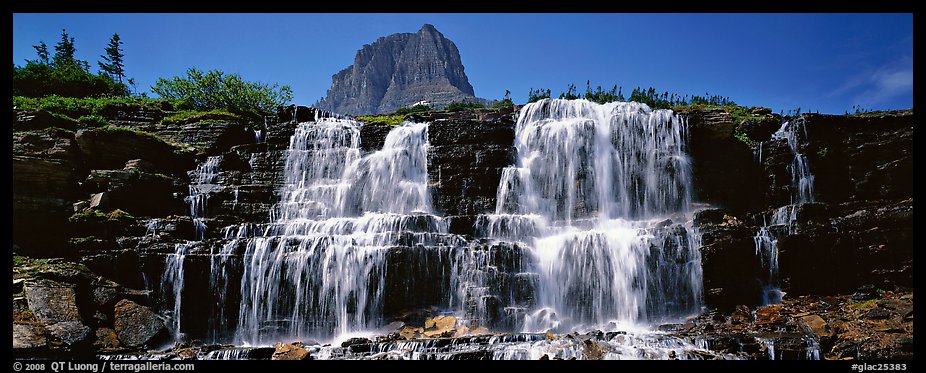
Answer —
(588, 192)
(794, 133)
(317, 269)
(172, 282)
(172, 285)
(200, 186)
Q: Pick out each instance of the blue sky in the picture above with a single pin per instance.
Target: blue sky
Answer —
(825, 62)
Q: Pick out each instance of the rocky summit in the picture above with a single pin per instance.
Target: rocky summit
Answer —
(400, 70)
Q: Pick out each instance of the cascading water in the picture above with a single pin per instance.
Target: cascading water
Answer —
(795, 134)
(317, 270)
(200, 187)
(172, 282)
(591, 184)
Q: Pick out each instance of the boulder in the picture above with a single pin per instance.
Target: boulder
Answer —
(99, 201)
(355, 341)
(106, 338)
(287, 351)
(440, 326)
(136, 325)
(102, 295)
(742, 315)
(818, 325)
(69, 332)
(28, 336)
(52, 302)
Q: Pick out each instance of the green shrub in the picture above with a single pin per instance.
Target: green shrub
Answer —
(460, 106)
(93, 120)
(178, 147)
(413, 110)
(190, 116)
(649, 96)
(506, 102)
(389, 120)
(76, 107)
(537, 95)
(216, 90)
(37, 80)
(97, 216)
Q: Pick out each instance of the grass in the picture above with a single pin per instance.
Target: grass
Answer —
(73, 107)
(866, 305)
(193, 116)
(93, 120)
(97, 216)
(24, 267)
(391, 120)
(56, 130)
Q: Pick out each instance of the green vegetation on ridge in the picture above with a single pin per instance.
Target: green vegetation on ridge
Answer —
(63, 74)
(214, 89)
(649, 96)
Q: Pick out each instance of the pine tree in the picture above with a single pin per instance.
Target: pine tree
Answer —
(113, 67)
(64, 51)
(42, 50)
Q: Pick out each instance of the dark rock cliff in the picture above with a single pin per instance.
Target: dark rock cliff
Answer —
(400, 70)
(858, 233)
(858, 236)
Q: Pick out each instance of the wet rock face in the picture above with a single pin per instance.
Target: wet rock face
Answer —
(861, 158)
(399, 70)
(723, 167)
(136, 325)
(465, 163)
(110, 149)
(46, 170)
(829, 249)
(468, 151)
(730, 266)
(143, 193)
(866, 243)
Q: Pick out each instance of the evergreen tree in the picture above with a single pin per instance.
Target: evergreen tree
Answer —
(42, 50)
(113, 65)
(64, 52)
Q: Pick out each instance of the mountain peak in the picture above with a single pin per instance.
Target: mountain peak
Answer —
(400, 70)
(428, 28)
